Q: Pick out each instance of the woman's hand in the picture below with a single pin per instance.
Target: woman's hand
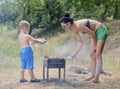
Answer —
(79, 46)
(71, 57)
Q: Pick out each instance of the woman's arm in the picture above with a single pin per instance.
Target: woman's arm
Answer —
(79, 45)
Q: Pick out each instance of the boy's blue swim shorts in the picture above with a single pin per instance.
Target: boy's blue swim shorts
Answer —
(27, 58)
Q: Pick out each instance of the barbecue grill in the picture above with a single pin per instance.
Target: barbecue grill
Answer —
(57, 63)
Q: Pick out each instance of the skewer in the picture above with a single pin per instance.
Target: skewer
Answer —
(66, 58)
(42, 57)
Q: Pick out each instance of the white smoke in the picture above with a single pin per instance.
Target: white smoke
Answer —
(66, 49)
(69, 47)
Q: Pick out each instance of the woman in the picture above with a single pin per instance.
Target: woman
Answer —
(98, 33)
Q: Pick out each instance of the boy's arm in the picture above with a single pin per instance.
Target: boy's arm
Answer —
(33, 40)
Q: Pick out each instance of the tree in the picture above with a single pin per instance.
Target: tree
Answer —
(40, 13)
(8, 12)
(116, 9)
(47, 13)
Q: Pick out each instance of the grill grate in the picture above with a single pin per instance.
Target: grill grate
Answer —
(53, 63)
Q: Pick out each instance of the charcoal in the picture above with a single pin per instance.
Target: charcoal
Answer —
(53, 58)
(46, 56)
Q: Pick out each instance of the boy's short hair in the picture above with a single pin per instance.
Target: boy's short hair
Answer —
(23, 24)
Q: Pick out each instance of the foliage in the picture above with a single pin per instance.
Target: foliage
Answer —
(8, 12)
(47, 13)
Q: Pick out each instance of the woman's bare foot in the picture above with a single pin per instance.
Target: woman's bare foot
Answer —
(87, 78)
(94, 81)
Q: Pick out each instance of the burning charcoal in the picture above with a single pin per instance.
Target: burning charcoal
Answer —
(54, 58)
(50, 58)
(61, 58)
(57, 58)
(46, 56)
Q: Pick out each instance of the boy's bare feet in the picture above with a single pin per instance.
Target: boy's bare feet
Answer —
(23, 80)
(35, 80)
(94, 81)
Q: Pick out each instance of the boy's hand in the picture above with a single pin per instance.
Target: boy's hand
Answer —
(42, 41)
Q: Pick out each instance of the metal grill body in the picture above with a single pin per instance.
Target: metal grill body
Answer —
(54, 63)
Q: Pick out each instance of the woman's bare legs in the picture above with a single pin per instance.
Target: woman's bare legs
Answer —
(99, 50)
(93, 62)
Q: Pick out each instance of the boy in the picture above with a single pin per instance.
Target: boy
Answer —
(26, 53)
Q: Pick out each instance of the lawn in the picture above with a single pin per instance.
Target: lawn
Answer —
(62, 44)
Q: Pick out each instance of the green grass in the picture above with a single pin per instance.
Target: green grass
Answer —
(62, 44)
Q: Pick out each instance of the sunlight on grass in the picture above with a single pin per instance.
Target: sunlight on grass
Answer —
(60, 45)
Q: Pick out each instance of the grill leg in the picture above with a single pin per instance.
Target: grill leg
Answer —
(64, 73)
(47, 74)
(59, 73)
(43, 72)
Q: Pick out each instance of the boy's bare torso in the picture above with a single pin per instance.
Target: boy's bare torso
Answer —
(23, 40)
